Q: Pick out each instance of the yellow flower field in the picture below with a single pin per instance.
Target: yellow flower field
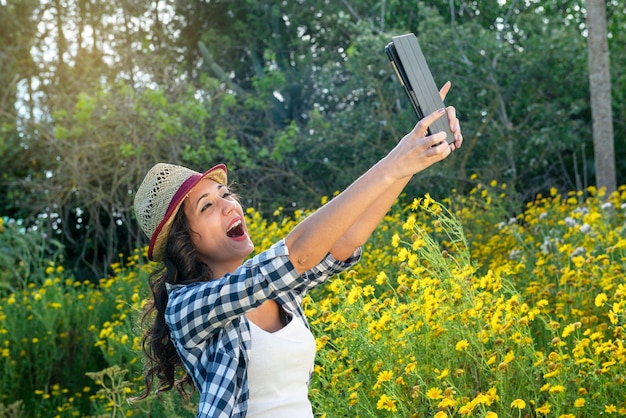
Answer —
(518, 317)
(463, 307)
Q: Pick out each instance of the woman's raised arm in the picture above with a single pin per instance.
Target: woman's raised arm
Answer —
(348, 220)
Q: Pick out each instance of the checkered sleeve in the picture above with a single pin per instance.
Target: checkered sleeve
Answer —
(197, 311)
(327, 268)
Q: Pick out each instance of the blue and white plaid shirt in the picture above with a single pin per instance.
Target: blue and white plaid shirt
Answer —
(211, 333)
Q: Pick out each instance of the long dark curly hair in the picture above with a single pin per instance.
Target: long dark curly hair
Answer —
(180, 266)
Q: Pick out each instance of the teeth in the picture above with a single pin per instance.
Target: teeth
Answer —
(233, 226)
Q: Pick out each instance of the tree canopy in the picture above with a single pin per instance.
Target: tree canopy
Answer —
(298, 98)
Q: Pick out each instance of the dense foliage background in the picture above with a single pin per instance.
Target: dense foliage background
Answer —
(297, 97)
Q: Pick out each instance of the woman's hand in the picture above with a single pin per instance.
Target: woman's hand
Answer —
(418, 150)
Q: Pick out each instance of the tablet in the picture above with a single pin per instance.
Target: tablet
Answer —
(412, 70)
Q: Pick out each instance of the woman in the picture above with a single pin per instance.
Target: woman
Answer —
(237, 326)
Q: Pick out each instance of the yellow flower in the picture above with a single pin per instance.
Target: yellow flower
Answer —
(434, 393)
(384, 376)
(490, 414)
(466, 409)
(386, 403)
(409, 368)
(610, 409)
(381, 278)
(443, 374)
(447, 403)
(427, 201)
(409, 224)
(403, 254)
(482, 399)
(462, 345)
(601, 299)
(354, 294)
(578, 261)
(492, 394)
(368, 290)
(544, 409)
(395, 240)
(417, 244)
(579, 403)
(518, 403)
(568, 330)
(557, 389)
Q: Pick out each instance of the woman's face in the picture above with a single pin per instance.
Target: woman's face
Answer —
(218, 227)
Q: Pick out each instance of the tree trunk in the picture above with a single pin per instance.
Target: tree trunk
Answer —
(600, 89)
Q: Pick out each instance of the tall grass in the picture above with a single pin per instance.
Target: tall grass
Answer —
(25, 254)
(458, 308)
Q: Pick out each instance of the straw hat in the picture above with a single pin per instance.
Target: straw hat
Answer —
(159, 197)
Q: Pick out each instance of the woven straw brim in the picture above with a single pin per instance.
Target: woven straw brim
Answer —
(160, 196)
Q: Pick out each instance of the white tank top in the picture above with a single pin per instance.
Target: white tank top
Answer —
(279, 369)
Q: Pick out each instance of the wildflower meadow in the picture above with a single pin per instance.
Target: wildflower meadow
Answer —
(467, 306)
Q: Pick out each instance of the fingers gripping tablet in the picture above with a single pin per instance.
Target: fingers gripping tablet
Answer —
(412, 69)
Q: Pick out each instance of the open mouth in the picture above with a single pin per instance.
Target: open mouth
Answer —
(235, 230)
